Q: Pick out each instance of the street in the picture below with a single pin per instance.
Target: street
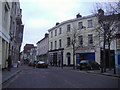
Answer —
(55, 77)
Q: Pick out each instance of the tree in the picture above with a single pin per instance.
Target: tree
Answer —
(73, 40)
(108, 26)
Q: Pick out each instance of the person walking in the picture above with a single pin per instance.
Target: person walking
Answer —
(18, 63)
(9, 63)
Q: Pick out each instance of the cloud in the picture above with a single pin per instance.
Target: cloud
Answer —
(41, 15)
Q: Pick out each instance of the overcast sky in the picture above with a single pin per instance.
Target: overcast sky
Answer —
(40, 15)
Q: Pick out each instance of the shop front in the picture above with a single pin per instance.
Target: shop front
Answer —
(117, 54)
(56, 57)
(85, 56)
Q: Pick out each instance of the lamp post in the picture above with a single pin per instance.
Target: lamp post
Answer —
(101, 61)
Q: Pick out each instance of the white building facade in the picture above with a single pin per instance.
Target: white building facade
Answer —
(33, 54)
(4, 32)
(42, 49)
(86, 38)
(11, 31)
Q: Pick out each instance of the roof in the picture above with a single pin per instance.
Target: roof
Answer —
(71, 20)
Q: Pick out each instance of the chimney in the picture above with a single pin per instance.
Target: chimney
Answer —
(100, 12)
(46, 35)
(78, 15)
(57, 23)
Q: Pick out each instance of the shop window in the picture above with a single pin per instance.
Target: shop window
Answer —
(119, 59)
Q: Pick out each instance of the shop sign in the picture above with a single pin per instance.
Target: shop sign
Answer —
(118, 44)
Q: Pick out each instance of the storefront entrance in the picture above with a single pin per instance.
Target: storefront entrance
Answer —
(68, 59)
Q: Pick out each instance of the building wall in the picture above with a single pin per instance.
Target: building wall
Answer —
(74, 26)
(16, 31)
(42, 49)
(0, 52)
(8, 31)
(4, 30)
(33, 54)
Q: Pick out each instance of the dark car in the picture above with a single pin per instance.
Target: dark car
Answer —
(89, 65)
(84, 64)
(31, 63)
(94, 65)
(41, 64)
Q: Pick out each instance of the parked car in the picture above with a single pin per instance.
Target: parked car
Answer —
(31, 63)
(41, 64)
(84, 64)
(89, 65)
(94, 65)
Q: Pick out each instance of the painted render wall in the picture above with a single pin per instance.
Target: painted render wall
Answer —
(83, 32)
(4, 31)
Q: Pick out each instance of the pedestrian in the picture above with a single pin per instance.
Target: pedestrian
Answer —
(34, 64)
(59, 63)
(9, 63)
(18, 63)
(51, 63)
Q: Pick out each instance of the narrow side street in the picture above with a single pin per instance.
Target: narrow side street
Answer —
(55, 77)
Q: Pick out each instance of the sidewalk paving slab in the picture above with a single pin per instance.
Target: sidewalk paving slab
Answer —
(107, 73)
(7, 75)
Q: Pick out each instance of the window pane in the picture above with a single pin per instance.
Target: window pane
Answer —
(90, 24)
(80, 40)
(80, 26)
(55, 44)
(90, 39)
(68, 28)
(55, 32)
(51, 34)
(68, 41)
(60, 43)
(51, 45)
(60, 30)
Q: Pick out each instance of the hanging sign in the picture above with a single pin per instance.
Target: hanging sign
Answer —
(118, 42)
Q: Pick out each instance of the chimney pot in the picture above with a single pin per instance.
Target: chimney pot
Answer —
(57, 23)
(78, 15)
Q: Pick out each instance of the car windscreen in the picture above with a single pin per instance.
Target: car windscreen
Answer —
(41, 62)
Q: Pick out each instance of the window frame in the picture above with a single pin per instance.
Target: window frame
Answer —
(90, 39)
(60, 30)
(68, 28)
(55, 32)
(51, 34)
(80, 38)
(60, 43)
(51, 45)
(68, 41)
(55, 44)
(90, 23)
(80, 25)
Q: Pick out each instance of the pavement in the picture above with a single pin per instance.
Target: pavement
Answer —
(107, 73)
(7, 75)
